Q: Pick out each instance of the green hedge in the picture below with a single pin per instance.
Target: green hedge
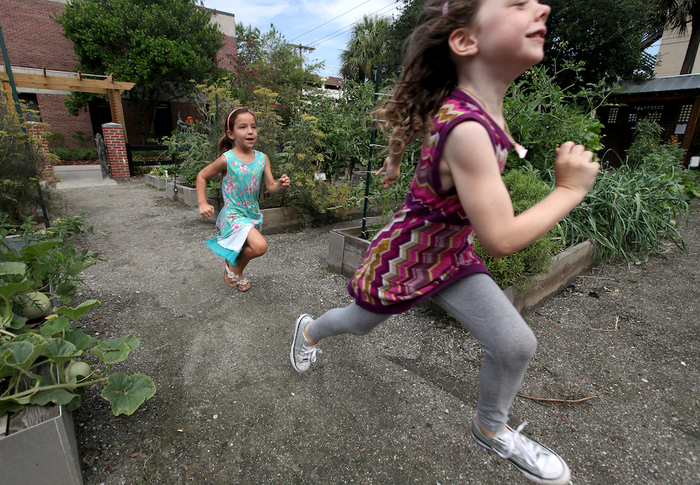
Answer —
(75, 153)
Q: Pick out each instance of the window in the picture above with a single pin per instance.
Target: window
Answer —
(30, 107)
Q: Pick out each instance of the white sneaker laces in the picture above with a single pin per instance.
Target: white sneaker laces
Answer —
(309, 353)
(521, 446)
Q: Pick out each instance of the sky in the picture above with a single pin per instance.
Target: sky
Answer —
(322, 24)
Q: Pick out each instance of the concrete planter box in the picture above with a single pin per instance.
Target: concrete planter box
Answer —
(346, 251)
(44, 451)
(157, 182)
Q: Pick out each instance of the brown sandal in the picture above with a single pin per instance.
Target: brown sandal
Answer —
(243, 285)
(230, 277)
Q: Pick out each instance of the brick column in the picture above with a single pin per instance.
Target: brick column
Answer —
(113, 134)
(37, 132)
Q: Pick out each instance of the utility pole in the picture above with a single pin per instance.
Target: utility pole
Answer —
(302, 48)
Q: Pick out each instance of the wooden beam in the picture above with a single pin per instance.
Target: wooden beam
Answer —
(690, 131)
(62, 83)
(115, 107)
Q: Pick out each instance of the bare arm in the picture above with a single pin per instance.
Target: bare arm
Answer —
(392, 167)
(274, 186)
(216, 167)
(470, 163)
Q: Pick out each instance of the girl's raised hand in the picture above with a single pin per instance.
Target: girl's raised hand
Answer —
(575, 169)
(206, 210)
(284, 181)
(391, 170)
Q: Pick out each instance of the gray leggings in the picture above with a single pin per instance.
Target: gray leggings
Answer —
(482, 308)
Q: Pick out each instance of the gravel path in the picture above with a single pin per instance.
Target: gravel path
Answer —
(389, 408)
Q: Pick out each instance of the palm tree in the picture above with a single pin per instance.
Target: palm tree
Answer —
(678, 14)
(364, 48)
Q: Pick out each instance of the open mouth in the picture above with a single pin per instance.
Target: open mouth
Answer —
(539, 34)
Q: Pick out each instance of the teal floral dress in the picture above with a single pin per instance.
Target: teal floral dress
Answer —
(241, 212)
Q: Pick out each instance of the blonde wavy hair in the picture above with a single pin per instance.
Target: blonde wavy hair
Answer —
(428, 74)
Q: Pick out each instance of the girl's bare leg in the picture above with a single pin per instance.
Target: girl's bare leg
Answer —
(254, 247)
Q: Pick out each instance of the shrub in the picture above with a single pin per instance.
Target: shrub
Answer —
(300, 160)
(526, 189)
(629, 210)
(542, 115)
(75, 153)
(346, 124)
(192, 146)
(21, 165)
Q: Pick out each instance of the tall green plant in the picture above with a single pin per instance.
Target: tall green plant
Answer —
(21, 164)
(346, 124)
(630, 210)
(301, 160)
(542, 115)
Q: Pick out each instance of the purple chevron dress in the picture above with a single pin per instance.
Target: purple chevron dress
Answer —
(430, 242)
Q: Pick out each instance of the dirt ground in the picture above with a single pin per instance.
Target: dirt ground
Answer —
(622, 343)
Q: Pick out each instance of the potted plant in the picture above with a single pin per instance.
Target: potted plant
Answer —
(47, 362)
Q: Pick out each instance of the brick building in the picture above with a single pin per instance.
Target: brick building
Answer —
(35, 45)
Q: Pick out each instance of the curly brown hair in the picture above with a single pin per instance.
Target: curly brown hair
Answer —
(428, 73)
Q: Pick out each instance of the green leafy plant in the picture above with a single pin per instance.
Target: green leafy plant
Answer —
(542, 114)
(52, 361)
(52, 263)
(526, 189)
(630, 210)
(301, 160)
(194, 147)
(75, 153)
(21, 164)
(345, 123)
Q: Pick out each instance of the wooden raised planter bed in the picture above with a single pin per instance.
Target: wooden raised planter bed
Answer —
(346, 251)
(276, 220)
(38, 447)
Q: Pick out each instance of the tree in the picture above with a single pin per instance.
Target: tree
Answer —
(678, 14)
(364, 49)
(609, 37)
(161, 45)
(267, 60)
(397, 36)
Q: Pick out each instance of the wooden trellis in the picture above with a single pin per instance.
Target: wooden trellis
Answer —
(72, 81)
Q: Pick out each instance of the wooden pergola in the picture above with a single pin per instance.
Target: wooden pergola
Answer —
(72, 81)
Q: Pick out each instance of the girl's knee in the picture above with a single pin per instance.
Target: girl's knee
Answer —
(524, 348)
(258, 248)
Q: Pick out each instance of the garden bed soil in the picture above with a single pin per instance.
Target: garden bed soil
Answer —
(618, 355)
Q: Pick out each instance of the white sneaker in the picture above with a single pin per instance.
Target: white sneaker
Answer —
(302, 355)
(536, 462)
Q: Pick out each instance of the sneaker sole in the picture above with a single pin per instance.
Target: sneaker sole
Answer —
(294, 341)
(566, 478)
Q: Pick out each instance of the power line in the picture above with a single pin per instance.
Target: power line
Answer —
(331, 20)
(330, 36)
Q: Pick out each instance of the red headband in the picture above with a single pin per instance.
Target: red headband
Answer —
(228, 120)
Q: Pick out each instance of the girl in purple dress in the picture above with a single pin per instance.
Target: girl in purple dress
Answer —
(461, 59)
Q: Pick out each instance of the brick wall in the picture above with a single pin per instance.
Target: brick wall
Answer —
(38, 133)
(32, 38)
(113, 134)
(54, 113)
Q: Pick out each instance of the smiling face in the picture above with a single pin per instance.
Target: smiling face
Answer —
(244, 131)
(512, 31)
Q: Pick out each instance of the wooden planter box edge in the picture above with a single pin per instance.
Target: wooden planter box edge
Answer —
(346, 251)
